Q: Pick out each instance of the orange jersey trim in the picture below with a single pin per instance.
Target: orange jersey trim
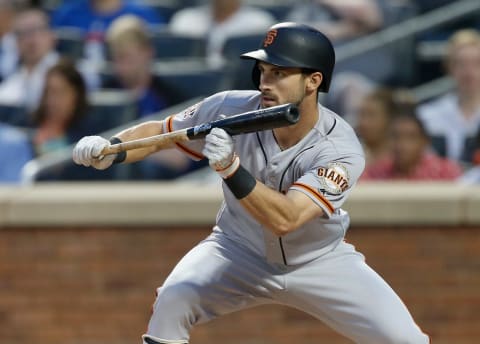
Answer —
(183, 148)
(317, 195)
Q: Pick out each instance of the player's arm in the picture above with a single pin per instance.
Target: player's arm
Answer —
(142, 130)
(87, 151)
(276, 211)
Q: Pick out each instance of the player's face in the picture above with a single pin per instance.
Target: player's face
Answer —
(280, 85)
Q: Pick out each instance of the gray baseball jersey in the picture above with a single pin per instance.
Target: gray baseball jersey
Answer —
(242, 265)
(324, 165)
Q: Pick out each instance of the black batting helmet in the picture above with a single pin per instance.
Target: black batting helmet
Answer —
(295, 45)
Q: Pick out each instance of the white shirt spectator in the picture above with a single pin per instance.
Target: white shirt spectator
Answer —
(198, 22)
(24, 88)
(443, 117)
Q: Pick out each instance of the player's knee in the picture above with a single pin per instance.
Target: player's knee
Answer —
(173, 313)
(176, 299)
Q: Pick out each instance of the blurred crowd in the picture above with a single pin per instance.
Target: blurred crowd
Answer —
(82, 67)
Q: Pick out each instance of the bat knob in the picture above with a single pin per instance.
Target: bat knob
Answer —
(292, 115)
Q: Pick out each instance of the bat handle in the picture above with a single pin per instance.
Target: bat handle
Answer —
(112, 149)
(161, 141)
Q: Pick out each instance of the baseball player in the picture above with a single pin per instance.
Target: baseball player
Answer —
(279, 234)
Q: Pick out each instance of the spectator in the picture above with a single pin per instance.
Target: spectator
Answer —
(347, 91)
(219, 20)
(36, 44)
(93, 17)
(132, 56)
(455, 117)
(15, 152)
(339, 20)
(58, 119)
(8, 45)
(374, 119)
(373, 125)
(410, 158)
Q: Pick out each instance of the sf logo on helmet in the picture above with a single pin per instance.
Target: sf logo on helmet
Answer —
(271, 35)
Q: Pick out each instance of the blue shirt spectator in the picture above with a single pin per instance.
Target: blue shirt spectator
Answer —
(83, 14)
(15, 152)
(94, 17)
(132, 56)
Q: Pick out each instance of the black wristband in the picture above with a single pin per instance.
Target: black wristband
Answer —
(241, 183)
(120, 156)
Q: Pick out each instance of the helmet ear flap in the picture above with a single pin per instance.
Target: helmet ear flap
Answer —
(325, 85)
(256, 76)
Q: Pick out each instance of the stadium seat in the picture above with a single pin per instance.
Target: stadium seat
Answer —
(471, 145)
(439, 144)
(14, 115)
(109, 109)
(172, 46)
(69, 171)
(277, 8)
(237, 45)
(165, 8)
(238, 70)
(70, 42)
(191, 79)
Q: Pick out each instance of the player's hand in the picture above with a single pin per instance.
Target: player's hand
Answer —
(219, 149)
(87, 152)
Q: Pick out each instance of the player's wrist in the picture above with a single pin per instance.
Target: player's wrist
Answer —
(240, 182)
(119, 157)
(230, 168)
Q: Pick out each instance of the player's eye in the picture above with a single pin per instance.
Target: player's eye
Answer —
(278, 73)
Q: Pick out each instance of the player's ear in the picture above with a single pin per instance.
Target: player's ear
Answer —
(314, 80)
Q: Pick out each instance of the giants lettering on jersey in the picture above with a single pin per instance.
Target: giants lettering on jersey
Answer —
(333, 178)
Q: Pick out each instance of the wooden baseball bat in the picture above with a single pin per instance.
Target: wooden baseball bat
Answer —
(246, 122)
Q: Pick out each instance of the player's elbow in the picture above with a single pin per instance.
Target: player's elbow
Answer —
(285, 226)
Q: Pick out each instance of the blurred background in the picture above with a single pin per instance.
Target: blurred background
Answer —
(82, 251)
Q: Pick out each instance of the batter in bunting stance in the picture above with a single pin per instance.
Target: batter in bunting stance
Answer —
(279, 234)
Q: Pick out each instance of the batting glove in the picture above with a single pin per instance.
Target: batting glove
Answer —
(219, 149)
(87, 152)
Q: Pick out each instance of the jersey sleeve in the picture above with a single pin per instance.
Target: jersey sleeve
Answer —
(205, 111)
(329, 184)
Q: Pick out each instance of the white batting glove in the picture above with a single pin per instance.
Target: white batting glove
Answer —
(219, 149)
(87, 152)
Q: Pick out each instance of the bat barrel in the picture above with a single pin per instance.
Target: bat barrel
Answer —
(252, 121)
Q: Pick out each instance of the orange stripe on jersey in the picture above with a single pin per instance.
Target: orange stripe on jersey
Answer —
(183, 148)
(169, 123)
(317, 195)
